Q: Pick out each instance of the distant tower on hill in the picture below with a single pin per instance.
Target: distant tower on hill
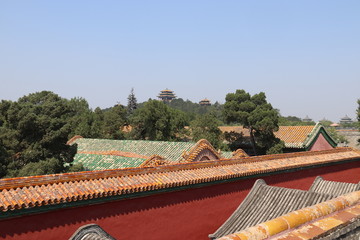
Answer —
(307, 119)
(205, 102)
(166, 95)
(346, 120)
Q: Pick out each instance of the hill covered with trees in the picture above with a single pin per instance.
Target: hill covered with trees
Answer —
(34, 129)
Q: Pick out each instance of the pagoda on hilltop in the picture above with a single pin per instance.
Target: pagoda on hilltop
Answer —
(307, 119)
(346, 120)
(205, 102)
(166, 95)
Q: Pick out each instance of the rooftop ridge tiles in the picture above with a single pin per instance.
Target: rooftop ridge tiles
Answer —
(296, 218)
(8, 183)
(82, 185)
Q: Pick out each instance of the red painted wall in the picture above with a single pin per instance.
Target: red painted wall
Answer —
(187, 214)
(321, 144)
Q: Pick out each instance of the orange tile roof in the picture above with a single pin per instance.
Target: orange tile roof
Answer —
(293, 136)
(237, 129)
(325, 216)
(37, 191)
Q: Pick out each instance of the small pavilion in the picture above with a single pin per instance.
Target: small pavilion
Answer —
(166, 95)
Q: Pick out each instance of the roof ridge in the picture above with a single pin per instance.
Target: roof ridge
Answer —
(69, 187)
(7, 183)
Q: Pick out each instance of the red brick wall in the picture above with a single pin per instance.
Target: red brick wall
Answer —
(321, 144)
(187, 214)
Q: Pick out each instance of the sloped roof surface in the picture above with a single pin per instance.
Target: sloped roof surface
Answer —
(100, 154)
(334, 188)
(338, 218)
(37, 191)
(172, 151)
(266, 202)
(293, 136)
(91, 232)
(227, 154)
(102, 162)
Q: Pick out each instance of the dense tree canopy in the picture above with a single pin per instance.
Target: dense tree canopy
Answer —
(293, 121)
(257, 115)
(207, 127)
(157, 121)
(193, 110)
(33, 130)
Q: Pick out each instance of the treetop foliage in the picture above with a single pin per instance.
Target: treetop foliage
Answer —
(132, 102)
(34, 130)
(157, 121)
(255, 114)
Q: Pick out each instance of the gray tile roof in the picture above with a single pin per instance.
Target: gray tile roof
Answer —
(91, 232)
(267, 202)
(335, 188)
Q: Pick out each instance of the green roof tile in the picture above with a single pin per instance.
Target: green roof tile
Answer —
(172, 151)
(100, 162)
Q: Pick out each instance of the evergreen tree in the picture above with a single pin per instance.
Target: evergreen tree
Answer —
(33, 134)
(132, 103)
(257, 115)
(157, 121)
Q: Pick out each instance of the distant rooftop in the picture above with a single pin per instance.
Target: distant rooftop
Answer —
(205, 102)
(307, 119)
(166, 95)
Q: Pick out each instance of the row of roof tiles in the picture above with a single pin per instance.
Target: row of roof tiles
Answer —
(265, 202)
(306, 223)
(100, 154)
(37, 191)
(292, 136)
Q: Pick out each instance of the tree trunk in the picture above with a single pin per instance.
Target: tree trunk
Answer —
(252, 138)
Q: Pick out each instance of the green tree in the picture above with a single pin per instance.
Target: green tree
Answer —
(207, 127)
(157, 121)
(113, 121)
(33, 134)
(293, 121)
(132, 103)
(257, 115)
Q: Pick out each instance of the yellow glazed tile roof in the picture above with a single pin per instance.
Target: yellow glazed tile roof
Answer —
(37, 191)
(292, 136)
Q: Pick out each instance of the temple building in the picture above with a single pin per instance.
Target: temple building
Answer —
(346, 120)
(166, 95)
(307, 119)
(205, 102)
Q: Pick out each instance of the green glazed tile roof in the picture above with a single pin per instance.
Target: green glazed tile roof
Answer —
(86, 147)
(101, 162)
(172, 151)
(227, 154)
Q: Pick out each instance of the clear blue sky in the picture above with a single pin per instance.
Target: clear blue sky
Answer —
(305, 55)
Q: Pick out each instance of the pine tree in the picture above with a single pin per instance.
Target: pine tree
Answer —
(132, 102)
